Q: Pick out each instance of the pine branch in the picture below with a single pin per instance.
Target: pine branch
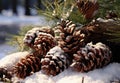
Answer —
(57, 9)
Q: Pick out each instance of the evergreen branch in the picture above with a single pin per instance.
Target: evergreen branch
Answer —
(57, 9)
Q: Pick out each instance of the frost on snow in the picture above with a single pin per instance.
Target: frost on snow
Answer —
(104, 75)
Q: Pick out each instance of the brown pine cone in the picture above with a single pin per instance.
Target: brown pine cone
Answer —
(32, 34)
(5, 75)
(70, 38)
(27, 66)
(55, 61)
(91, 57)
(40, 40)
(88, 8)
(106, 31)
(43, 43)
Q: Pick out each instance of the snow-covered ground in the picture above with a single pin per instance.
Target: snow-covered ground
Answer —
(106, 74)
(5, 49)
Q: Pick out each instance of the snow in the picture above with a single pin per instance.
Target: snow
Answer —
(103, 75)
(23, 20)
(103, 20)
(9, 60)
(5, 49)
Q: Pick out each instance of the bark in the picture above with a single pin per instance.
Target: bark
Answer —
(14, 6)
(27, 7)
(40, 5)
(0, 6)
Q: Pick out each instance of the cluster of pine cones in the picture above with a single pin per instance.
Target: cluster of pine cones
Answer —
(66, 45)
(55, 50)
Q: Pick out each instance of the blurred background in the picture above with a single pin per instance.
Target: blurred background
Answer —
(17, 17)
(15, 14)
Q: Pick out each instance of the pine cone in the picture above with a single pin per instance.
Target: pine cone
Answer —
(5, 75)
(40, 40)
(91, 57)
(105, 31)
(43, 43)
(28, 65)
(70, 38)
(88, 8)
(32, 34)
(55, 61)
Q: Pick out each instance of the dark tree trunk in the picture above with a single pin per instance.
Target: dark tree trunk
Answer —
(40, 5)
(27, 7)
(14, 6)
(0, 6)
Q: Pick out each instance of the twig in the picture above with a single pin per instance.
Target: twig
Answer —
(82, 79)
